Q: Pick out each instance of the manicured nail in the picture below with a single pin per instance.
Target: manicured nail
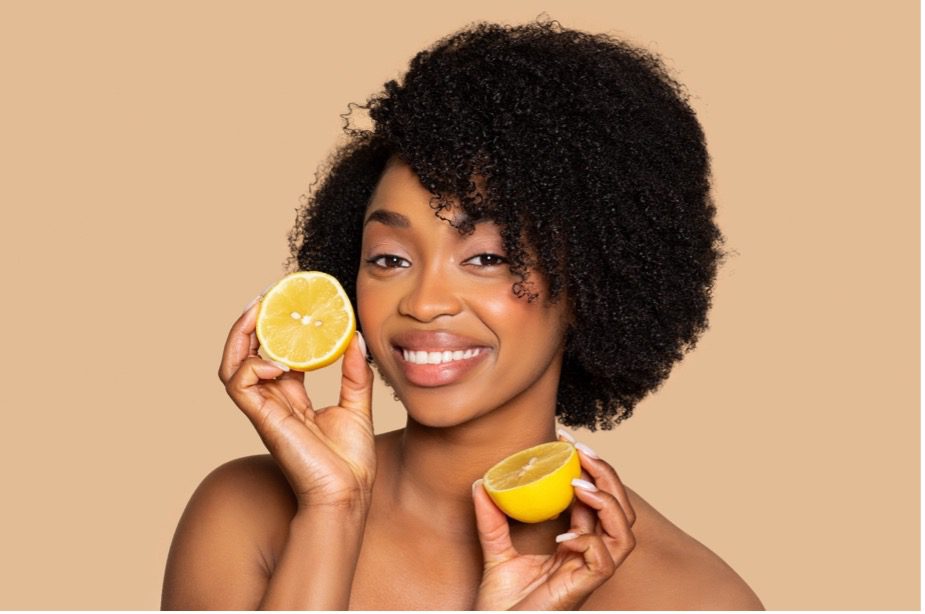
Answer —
(280, 365)
(588, 451)
(475, 485)
(251, 304)
(566, 436)
(584, 485)
(564, 537)
(362, 342)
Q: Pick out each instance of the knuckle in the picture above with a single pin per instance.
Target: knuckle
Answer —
(630, 542)
(612, 473)
(609, 567)
(233, 384)
(609, 497)
(230, 387)
(495, 534)
(610, 501)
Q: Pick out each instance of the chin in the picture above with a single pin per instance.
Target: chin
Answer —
(436, 414)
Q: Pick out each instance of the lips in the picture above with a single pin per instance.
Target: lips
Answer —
(436, 358)
(434, 341)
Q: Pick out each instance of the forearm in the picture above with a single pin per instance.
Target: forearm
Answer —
(316, 568)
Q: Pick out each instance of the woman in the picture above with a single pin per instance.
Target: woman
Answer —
(534, 201)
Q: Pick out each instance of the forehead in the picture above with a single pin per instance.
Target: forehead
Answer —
(397, 185)
(400, 198)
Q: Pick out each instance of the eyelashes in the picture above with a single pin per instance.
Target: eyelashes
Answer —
(391, 261)
(492, 260)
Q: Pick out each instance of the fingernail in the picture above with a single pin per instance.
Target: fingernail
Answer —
(564, 537)
(362, 342)
(584, 485)
(566, 436)
(267, 289)
(475, 485)
(251, 304)
(280, 365)
(588, 451)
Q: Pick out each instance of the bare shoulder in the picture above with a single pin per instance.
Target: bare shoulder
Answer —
(670, 570)
(248, 476)
(228, 536)
(251, 488)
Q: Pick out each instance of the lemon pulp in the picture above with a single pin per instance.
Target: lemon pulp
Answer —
(305, 321)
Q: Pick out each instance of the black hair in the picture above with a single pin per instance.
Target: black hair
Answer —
(585, 151)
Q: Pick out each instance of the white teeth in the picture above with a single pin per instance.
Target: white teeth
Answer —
(421, 357)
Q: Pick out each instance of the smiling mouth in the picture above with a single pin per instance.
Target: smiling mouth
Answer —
(423, 357)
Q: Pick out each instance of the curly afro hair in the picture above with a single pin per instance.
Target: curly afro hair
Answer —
(586, 153)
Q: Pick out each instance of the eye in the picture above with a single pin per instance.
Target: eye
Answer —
(488, 260)
(389, 261)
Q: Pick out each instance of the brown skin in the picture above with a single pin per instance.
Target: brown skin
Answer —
(336, 518)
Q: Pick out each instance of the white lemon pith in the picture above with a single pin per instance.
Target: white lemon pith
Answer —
(305, 321)
(535, 484)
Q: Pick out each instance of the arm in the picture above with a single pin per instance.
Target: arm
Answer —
(711, 585)
(219, 556)
(311, 503)
(215, 559)
(323, 545)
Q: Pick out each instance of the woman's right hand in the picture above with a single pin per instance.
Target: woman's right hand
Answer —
(328, 455)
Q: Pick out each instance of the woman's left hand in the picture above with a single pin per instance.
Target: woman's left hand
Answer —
(602, 523)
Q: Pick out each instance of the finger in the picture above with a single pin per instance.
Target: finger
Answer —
(292, 385)
(583, 518)
(244, 390)
(564, 435)
(606, 478)
(241, 342)
(356, 388)
(572, 583)
(617, 532)
(493, 528)
(599, 564)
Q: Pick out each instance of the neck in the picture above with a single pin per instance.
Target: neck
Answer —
(437, 466)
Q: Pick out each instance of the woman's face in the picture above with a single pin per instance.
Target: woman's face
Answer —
(440, 316)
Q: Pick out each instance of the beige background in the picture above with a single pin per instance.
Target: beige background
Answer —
(153, 155)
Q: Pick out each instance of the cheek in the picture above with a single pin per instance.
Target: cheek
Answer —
(369, 307)
(368, 312)
(529, 325)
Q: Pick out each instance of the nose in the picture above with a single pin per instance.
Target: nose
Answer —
(431, 294)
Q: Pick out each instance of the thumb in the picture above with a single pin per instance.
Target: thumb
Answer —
(356, 386)
(493, 528)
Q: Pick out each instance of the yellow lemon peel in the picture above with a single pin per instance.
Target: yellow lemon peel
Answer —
(535, 484)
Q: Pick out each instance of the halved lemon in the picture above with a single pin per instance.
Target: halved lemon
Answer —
(305, 321)
(535, 484)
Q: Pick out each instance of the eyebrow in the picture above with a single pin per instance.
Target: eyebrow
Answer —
(389, 218)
